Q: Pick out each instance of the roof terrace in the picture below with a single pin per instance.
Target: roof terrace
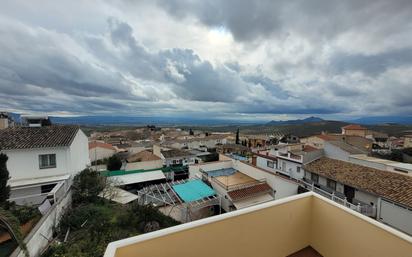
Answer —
(277, 228)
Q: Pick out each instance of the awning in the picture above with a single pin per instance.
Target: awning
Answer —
(136, 178)
(118, 195)
(252, 201)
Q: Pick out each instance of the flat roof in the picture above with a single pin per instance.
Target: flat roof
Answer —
(235, 179)
(193, 190)
(400, 165)
(221, 172)
(137, 177)
(118, 195)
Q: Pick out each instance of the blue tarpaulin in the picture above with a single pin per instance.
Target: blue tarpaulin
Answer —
(193, 190)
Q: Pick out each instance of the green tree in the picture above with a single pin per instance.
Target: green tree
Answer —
(114, 163)
(237, 137)
(10, 223)
(4, 177)
(87, 185)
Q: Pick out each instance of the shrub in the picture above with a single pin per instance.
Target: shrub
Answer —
(114, 163)
(87, 185)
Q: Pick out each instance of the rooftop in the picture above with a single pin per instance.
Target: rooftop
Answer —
(347, 147)
(393, 186)
(175, 153)
(143, 156)
(193, 190)
(354, 127)
(300, 221)
(234, 179)
(37, 137)
(95, 144)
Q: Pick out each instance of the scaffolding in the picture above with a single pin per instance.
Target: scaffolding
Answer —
(161, 195)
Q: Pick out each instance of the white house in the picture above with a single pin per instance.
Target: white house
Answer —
(287, 159)
(173, 157)
(100, 150)
(43, 160)
(384, 195)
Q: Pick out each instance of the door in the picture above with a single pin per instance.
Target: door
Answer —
(349, 193)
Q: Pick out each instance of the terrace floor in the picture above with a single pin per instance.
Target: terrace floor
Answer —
(235, 179)
(306, 252)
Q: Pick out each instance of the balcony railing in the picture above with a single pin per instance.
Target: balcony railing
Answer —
(365, 209)
(238, 186)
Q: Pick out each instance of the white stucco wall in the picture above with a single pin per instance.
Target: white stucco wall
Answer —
(79, 153)
(366, 197)
(24, 163)
(396, 216)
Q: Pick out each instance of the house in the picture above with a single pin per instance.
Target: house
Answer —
(381, 164)
(42, 159)
(143, 160)
(340, 150)
(287, 159)
(99, 150)
(383, 195)
(173, 156)
(241, 184)
(232, 148)
(5, 120)
(317, 141)
(297, 226)
(354, 130)
(407, 142)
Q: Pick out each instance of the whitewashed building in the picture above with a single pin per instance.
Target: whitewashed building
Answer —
(383, 195)
(100, 150)
(43, 160)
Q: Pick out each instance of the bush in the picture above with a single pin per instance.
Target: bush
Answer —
(114, 163)
(25, 213)
(4, 177)
(87, 185)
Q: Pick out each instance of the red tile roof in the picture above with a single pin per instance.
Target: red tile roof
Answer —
(308, 148)
(354, 127)
(255, 190)
(95, 144)
(390, 185)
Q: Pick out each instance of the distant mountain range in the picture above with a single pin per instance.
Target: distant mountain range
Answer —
(130, 120)
(293, 122)
(376, 120)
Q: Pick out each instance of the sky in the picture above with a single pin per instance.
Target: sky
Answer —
(228, 59)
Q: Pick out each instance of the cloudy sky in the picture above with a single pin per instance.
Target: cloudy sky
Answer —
(211, 59)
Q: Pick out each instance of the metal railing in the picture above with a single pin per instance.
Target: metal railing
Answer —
(365, 209)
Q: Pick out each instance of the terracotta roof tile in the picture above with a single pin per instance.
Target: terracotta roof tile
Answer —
(37, 137)
(255, 190)
(354, 127)
(95, 144)
(390, 185)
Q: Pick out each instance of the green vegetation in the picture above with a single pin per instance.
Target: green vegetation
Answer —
(94, 222)
(114, 163)
(4, 177)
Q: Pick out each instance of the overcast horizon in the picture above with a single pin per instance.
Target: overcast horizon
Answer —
(246, 60)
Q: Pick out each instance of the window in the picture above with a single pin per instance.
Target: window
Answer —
(270, 164)
(47, 161)
(47, 188)
(331, 184)
(315, 177)
(298, 169)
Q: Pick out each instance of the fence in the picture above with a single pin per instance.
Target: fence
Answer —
(365, 209)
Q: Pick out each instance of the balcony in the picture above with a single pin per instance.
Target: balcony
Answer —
(278, 228)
